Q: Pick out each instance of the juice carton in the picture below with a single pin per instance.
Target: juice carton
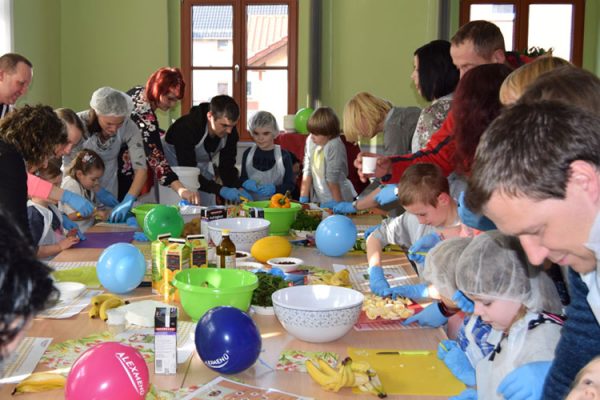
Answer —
(165, 341)
(177, 258)
(157, 251)
(198, 251)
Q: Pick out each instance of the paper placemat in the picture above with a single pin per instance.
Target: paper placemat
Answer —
(21, 363)
(66, 265)
(221, 388)
(294, 360)
(359, 276)
(69, 308)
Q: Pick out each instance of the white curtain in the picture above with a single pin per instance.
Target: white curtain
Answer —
(6, 30)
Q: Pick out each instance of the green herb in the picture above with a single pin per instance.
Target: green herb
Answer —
(267, 285)
(305, 222)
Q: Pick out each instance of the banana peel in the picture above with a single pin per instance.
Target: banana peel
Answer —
(40, 382)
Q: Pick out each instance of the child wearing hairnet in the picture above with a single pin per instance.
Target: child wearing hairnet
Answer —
(471, 346)
(266, 168)
(516, 300)
(586, 385)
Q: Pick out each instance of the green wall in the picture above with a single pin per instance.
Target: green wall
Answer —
(77, 46)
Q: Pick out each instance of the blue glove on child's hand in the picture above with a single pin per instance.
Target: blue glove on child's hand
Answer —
(457, 362)
(467, 394)
(423, 245)
(430, 316)
(525, 382)
(467, 217)
(244, 193)
(140, 237)
(78, 203)
(377, 281)
(329, 204)
(251, 185)
(105, 197)
(303, 199)
(463, 302)
(119, 213)
(231, 194)
(68, 225)
(414, 292)
(344, 207)
(386, 195)
(131, 221)
(267, 190)
(370, 230)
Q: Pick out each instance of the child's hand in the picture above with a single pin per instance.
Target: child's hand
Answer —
(192, 197)
(68, 242)
(377, 281)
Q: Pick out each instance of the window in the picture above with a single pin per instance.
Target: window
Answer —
(6, 32)
(243, 48)
(556, 24)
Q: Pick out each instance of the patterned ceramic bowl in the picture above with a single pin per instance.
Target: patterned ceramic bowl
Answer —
(242, 231)
(317, 313)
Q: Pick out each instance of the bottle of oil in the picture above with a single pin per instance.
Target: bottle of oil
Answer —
(225, 251)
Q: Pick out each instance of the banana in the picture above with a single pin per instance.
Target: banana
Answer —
(328, 382)
(326, 368)
(360, 366)
(99, 299)
(40, 382)
(374, 386)
(94, 311)
(348, 378)
(108, 304)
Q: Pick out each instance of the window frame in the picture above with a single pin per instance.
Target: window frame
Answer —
(521, 28)
(239, 53)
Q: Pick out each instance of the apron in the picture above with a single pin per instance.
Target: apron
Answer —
(49, 236)
(593, 297)
(321, 192)
(473, 351)
(109, 152)
(274, 175)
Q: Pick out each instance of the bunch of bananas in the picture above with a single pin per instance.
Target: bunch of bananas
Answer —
(349, 374)
(340, 278)
(40, 382)
(103, 302)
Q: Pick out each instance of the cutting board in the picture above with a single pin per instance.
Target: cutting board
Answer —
(410, 374)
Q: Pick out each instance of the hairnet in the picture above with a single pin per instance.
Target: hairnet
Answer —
(440, 265)
(495, 266)
(111, 102)
(263, 119)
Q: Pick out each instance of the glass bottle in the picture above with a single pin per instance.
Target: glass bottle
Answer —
(225, 251)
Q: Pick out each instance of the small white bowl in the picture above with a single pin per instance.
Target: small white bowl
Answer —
(286, 264)
(69, 290)
(248, 265)
(317, 313)
(241, 256)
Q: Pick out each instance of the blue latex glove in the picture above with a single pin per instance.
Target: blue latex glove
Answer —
(423, 245)
(131, 221)
(370, 230)
(344, 207)
(251, 185)
(463, 302)
(140, 237)
(480, 222)
(414, 292)
(107, 198)
(377, 281)
(525, 382)
(329, 204)
(267, 189)
(68, 225)
(457, 362)
(119, 213)
(231, 194)
(244, 193)
(430, 316)
(467, 394)
(78, 203)
(303, 199)
(386, 195)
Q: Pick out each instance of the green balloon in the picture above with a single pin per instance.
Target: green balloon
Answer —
(301, 119)
(163, 219)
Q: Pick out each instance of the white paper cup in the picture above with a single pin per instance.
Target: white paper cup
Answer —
(369, 164)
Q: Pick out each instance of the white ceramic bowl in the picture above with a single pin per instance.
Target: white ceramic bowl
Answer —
(249, 265)
(286, 264)
(243, 232)
(317, 313)
(241, 256)
(69, 290)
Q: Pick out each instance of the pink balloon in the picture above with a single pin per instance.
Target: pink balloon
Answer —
(108, 371)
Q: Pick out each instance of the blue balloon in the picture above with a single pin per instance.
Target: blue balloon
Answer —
(227, 340)
(121, 267)
(335, 235)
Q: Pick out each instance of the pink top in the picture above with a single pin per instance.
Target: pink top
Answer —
(37, 187)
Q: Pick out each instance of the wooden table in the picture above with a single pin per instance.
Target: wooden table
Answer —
(275, 339)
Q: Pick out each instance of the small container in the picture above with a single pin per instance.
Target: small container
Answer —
(286, 264)
(69, 290)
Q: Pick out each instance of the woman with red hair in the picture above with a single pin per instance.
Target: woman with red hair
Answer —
(164, 89)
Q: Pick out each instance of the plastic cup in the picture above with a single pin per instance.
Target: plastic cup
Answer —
(369, 164)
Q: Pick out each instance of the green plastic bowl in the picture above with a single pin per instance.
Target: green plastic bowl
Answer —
(226, 287)
(281, 218)
(141, 211)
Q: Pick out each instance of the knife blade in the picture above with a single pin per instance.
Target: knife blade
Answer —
(405, 353)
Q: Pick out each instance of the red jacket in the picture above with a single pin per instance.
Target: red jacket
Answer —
(439, 150)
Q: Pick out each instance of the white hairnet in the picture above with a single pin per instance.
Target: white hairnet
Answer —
(495, 266)
(441, 262)
(111, 102)
(263, 119)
